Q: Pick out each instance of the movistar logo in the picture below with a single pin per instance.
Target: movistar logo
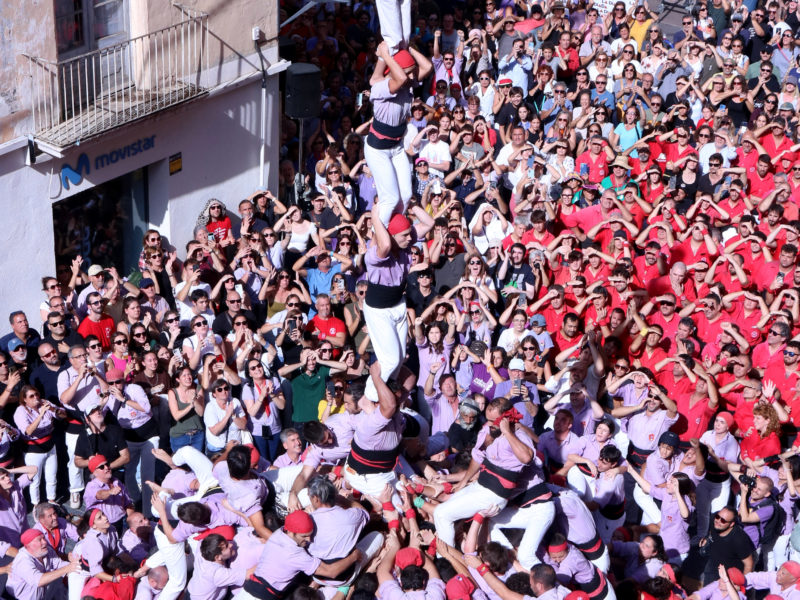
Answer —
(75, 176)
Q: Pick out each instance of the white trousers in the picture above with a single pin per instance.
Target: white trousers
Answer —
(391, 171)
(395, 20)
(462, 505)
(535, 519)
(75, 474)
(606, 527)
(711, 497)
(75, 583)
(142, 466)
(779, 554)
(369, 545)
(580, 483)
(388, 330)
(202, 469)
(45, 462)
(173, 557)
(372, 484)
(283, 480)
(652, 514)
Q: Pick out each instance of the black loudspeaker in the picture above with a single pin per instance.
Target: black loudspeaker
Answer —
(303, 92)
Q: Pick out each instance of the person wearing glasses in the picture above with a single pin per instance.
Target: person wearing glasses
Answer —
(224, 418)
(60, 335)
(203, 342)
(97, 322)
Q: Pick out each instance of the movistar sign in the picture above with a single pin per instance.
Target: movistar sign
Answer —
(75, 175)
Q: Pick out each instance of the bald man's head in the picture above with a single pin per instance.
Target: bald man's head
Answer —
(158, 577)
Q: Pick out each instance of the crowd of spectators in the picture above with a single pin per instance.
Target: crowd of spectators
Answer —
(601, 391)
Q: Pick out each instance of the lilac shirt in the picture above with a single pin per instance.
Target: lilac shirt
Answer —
(210, 580)
(443, 412)
(644, 430)
(66, 531)
(87, 385)
(337, 531)
(95, 547)
(427, 356)
(138, 548)
(26, 571)
(609, 490)
(557, 452)
(391, 590)
(13, 515)
(114, 506)
(639, 572)
(575, 568)
(342, 426)
(389, 108)
(284, 460)
(764, 511)
(674, 528)
(728, 448)
(24, 416)
(482, 382)
(574, 518)
(490, 593)
(765, 580)
(713, 592)
(261, 421)
(657, 470)
(129, 417)
(376, 432)
(390, 271)
(180, 482)
(282, 559)
(500, 454)
(245, 495)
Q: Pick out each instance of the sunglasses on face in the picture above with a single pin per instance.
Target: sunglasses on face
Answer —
(717, 517)
(222, 388)
(200, 324)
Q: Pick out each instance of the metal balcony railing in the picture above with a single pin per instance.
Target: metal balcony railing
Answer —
(79, 98)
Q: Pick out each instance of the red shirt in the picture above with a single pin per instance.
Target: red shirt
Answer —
(692, 420)
(761, 187)
(776, 372)
(649, 358)
(747, 161)
(326, 327)
(598, 167)
(755, 447)
(102, 329)
(684, 252)
(762, 357)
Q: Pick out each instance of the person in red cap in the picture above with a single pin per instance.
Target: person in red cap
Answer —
(460, 587)
(107, 493)
(785, 582)
(285, 556)
(36, 567)
(391, 97)
(417, 573)
(387, 262)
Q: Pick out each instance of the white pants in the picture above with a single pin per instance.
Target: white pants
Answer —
(395, 20)
(369, 545)
(391, 171)
(75, 583)
(536, 519)
(711, 497)
(45, 462)
(142, 466)
(373, 484)
(580, 483)
(779, 554)
(283, 480)
(74, 473)
(652, 514)
(607, 527)
(388, 330)
(173, 557)
(202, 469)
(462, 505)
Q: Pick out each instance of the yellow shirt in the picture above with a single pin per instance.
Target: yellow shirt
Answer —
(639, 30)
(335, 410)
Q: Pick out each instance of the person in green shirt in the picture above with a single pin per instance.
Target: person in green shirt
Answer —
(309, 377)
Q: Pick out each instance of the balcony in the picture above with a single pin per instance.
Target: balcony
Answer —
(80, 98)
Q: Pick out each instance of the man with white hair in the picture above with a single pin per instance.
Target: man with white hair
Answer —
(36, 568)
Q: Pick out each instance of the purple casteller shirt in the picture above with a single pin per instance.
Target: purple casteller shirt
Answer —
(376, 432)
(245, 495)
(219, 516)
(500, 454)
(129, 417)
(114, 506)
(490, 593)
(26, 571)
(391, 590)
(574, 518)
(575, 568)
(558, 451)
(13, 515)
(765, 580)
(138, 548)
(674, 528)
(609, 490)
(390, 271)
(657, 470)
(24, 416)
(639, 572)
(337, 531)
(282, 560)
(95, 547)
(644, 430)
(343, 427)
(180, 482)
(66, 530)
(713, 591)
(210, 580)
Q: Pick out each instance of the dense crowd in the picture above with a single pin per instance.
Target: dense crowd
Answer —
(526, 324)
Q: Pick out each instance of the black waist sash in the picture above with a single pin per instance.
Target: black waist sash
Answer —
(258, 587)
(538, 494)
(367, 462)
(382, 136)
(637, 456)
(592, 548)
(714, 474)
(500, 481)
(612, 512)
(384, 296)
(597, 587)
(142, 433)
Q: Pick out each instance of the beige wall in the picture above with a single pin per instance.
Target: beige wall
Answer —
(28, 28)
(21, 29)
